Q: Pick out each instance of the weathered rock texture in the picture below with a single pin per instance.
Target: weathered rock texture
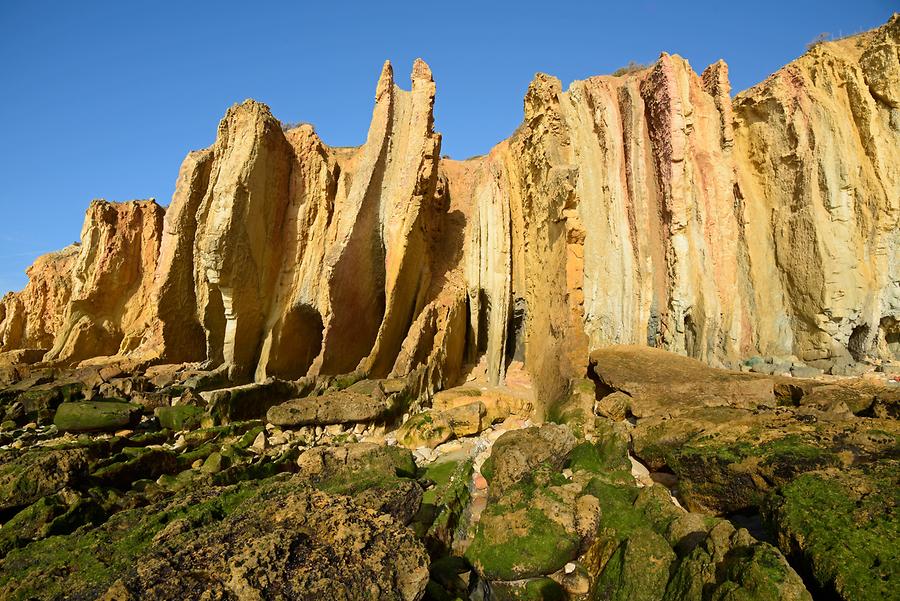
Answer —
(650, 208)
(111, 276)
(31, 318)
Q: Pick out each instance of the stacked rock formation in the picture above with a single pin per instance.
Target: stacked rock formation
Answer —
(650, 208)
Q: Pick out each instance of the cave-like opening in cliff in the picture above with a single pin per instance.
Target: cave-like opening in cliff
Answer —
(515, 332)
(214, 324)
(690, 337)
(858, 342)
(890, 331)
(299, 343)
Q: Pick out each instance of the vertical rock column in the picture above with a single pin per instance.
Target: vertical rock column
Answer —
(239, 220)
(174, 330)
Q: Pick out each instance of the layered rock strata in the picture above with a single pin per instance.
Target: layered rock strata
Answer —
(651, 208)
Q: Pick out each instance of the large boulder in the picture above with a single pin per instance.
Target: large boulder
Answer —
(179, 417)
(337, 407)
(518, 452)
(528, 532)
(87, 416)
(499, 402)
(250, 401)
(26, 477)
(659, 381)
(434, 427)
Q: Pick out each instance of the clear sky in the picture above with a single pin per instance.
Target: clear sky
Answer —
(104, 99)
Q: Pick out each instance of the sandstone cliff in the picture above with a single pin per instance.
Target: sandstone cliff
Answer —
(31, 318)
(651, 208)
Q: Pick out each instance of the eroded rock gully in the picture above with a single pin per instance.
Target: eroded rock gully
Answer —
(377, 372)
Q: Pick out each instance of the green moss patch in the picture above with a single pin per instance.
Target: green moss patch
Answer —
(844, 528)
(522, 543)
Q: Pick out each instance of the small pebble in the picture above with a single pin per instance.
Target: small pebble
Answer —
(260, 443)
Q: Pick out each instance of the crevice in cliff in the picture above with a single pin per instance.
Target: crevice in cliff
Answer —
(299, 343)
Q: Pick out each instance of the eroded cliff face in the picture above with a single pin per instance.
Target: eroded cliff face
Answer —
(30, 319)
(651, 208)
(111, 277)
(818, 163)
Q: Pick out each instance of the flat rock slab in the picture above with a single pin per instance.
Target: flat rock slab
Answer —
(340, 407)
(658, 381)
(728, 459)
(87, 416)
(250, 401)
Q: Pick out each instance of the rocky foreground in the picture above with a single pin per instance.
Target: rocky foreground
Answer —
(380, 373)
(658, 478)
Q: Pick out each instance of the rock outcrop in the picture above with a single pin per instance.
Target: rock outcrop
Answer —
(650, 208)
(111, 279)
(31, 318)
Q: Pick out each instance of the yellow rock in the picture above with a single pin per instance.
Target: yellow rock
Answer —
(649, 208)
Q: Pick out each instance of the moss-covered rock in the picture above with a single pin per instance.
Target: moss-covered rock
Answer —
(268, 538)
(144, 463)
(41, 401)
(179, 417)
(425, 429)
(844, 528)
(526, 533)
(56, 514)
(729, 564)
(727, 460)
(518, 452)
(88, 416)
(575, 409)
(534, 589)
(220, 433)
(638, 569)
(444, 500)
(377, 476)
(606, 454)
(28, 476)
(736, 477)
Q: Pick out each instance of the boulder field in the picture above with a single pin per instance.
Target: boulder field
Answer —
(657, 477)
(646, 348)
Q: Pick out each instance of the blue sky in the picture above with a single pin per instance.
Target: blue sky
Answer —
(104, 99)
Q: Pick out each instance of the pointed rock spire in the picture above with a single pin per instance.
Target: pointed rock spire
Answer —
(385, 80)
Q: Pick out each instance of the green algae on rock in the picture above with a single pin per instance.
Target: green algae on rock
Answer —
(87, 416)
(843, 528)
(282, 526)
